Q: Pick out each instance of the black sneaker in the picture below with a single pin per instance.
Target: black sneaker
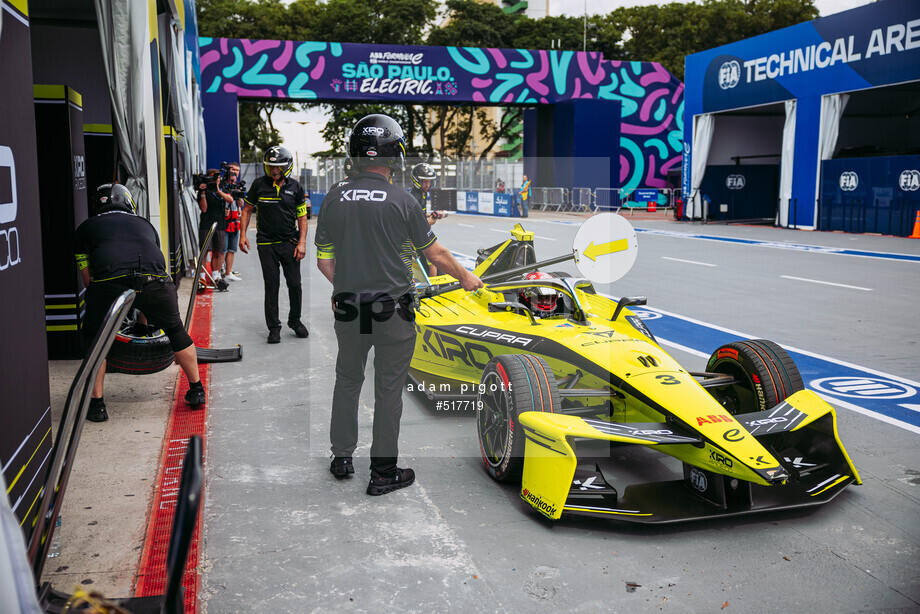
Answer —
(274, 336)
(195, 395)
(299, 329)
(96, 411)
(342, 466)
(381, 485)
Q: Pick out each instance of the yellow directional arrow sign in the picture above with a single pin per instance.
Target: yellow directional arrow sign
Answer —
(593, 251)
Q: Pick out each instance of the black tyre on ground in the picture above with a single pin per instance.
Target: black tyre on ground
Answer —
(139, 349)
(511, 384)
(765, 375)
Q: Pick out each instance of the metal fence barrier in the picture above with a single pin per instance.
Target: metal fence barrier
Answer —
(582, 200)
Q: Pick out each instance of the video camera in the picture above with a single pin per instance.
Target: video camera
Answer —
(238, 189)
(210, 179)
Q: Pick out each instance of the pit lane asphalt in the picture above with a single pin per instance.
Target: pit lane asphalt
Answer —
(282, 535)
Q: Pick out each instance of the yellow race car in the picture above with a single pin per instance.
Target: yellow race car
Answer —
(572, 392)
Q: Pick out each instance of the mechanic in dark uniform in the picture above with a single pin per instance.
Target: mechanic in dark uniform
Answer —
(365, 240)
(281, 236)
(423, 177)
(116, 251)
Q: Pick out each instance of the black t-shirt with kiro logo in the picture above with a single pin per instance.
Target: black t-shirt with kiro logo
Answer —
(372, 229)
(278, 208)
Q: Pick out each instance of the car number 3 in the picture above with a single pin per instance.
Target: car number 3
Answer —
(667, 380)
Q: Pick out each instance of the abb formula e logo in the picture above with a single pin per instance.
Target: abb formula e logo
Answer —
(909, 181)
(9, 234)
(729, 74)
(734, 182)
(848, 181)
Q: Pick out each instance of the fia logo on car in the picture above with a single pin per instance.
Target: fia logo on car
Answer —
(698, 480)
(734, 182)
(729, 74)
(909, 181)
(848, 181)
(863, 388)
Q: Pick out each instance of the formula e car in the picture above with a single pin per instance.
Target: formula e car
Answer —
(579, 401)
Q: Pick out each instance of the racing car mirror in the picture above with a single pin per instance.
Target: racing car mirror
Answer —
(605, 248)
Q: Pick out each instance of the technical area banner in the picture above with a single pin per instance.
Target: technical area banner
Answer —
(878, 44)
(25, 439)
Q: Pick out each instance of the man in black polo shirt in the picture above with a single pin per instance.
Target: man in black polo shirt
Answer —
(366, 238)
(116, 251)
(281, 236)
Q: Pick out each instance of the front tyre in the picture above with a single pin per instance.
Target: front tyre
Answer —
(765, 375)
(511, 384)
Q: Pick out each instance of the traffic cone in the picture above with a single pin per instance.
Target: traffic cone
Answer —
(916, 233)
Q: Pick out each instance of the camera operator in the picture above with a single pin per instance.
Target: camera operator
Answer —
(211, 201)
(229, 229)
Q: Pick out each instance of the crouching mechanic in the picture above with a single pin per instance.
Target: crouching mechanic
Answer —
(116, 251)
(365, 241)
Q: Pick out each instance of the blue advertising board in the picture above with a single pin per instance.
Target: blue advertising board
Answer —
(472, 202)
(503, 205)
(646, 196)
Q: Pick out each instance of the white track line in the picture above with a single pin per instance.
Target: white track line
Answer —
(687, 261)
(826, 283)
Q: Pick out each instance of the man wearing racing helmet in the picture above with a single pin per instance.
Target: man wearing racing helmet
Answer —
(366, 236)
(281, 237)
(541, 300)
(116, 251)
(423, 177)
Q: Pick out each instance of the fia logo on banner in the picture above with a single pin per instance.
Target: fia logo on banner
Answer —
(909, 181)
(848, 181)
(729, 74)
(734, 182)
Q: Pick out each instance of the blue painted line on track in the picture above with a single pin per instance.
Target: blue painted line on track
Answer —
(801, 247)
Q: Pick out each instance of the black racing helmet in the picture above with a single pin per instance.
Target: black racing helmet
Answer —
(276, 155)
(377, 140)
(112, 197)
(422, 172)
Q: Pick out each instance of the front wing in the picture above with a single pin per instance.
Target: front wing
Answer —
(801, 432)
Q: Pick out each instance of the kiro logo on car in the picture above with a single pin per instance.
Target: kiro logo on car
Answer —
(848, 181)
(729, 74)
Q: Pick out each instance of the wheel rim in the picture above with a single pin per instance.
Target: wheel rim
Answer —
(493, 420)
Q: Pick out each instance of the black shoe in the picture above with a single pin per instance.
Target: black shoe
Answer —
(195, 395)
(342, 466)
(299, 329)
(381, 485)
(274, 336)
(96, 411)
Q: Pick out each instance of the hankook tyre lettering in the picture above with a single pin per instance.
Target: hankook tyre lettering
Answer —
(764, 371)
(139, 349)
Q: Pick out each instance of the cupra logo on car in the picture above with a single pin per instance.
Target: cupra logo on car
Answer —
(729, 74)
(848, 181)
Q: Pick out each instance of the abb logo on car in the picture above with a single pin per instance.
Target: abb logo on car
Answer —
(9, 234)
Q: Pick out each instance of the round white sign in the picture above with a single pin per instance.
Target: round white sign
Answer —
(605, 248)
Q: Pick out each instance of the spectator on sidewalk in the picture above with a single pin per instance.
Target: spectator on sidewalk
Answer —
(524, 196)
(230, 233)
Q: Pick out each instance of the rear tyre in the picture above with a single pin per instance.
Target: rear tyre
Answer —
(766, 375)
(139, 349)
(511, 384)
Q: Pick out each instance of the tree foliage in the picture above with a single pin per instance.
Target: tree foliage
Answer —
(663, 33)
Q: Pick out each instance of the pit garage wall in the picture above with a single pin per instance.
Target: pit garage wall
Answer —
(874, 45)
(25, 439)
(650, 99)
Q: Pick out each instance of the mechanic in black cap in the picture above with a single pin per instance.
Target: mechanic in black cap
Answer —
(281, 237)
(116, 251)
(365, 242)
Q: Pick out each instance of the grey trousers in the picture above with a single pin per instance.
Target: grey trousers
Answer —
(393, 342)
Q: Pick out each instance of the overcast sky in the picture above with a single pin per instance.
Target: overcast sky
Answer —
(303, 138)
